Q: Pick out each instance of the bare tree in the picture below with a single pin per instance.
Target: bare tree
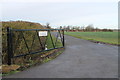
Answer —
(89, 27)
(60, 27)
(48, 25)
(68, 28)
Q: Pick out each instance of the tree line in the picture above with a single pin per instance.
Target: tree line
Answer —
(89, 28)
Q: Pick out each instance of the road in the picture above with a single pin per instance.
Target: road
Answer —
(81, 59)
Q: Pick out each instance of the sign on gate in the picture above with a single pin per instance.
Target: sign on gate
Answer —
(43, 33)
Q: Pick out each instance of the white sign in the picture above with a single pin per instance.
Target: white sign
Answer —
(42, 33)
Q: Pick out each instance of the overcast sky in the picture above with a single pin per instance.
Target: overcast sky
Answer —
(100, 13)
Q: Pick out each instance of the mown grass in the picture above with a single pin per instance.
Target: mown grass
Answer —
(106, 37)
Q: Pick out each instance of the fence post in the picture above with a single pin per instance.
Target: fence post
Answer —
(9, 45)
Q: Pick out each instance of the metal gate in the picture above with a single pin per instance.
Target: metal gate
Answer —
(22, 42)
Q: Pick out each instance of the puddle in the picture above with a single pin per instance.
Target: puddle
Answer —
(99, 43)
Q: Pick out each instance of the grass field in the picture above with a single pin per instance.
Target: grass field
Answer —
(106, 37)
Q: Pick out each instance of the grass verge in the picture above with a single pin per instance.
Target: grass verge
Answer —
(98, 37)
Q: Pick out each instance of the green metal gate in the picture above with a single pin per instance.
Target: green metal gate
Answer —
(17, 37)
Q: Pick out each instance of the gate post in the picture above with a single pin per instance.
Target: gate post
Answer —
(9, 45)
(63, 39)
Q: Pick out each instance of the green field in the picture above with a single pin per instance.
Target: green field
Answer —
(107, 37)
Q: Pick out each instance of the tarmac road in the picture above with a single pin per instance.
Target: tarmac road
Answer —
(81, 59)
